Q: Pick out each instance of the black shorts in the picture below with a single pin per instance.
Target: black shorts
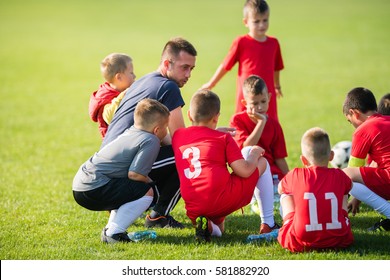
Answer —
(114, 194)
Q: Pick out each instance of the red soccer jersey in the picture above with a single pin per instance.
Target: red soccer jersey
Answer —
(255, 58)
(206, 185)
(271, 140)
(373, 138)
(319, 221)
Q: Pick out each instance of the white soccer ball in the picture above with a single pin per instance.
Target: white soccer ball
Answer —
(342, 152)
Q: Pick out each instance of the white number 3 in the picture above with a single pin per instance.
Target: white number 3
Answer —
(195, 163)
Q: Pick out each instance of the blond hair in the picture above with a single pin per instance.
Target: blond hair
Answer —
(113, 64)
(150, 112)
(315, 145)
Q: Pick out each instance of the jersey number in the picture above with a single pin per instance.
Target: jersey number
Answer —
(195, 163)
(313, 213)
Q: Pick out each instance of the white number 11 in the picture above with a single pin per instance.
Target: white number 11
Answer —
(313, 213)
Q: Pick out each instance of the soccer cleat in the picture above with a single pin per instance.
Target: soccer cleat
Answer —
(264, 228)
(202, 233)
(118, 237)
(162, 222)
(382, 225)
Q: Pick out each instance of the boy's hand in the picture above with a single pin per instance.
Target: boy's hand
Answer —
(278, 92)
(256, 117)
(353, 206)
(226, 129)
(257, 150)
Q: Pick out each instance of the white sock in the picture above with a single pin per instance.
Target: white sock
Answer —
(127, 214)
(112, 216)
(216, 230)
(264, 193)
(364, 194)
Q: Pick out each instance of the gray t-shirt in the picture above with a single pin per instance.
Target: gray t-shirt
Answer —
(134, 150)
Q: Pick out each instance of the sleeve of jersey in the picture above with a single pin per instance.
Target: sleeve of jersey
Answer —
(170, 95)
(232, 152)
(232, 57)
(360, 146)
(145, 157)
(279, 65)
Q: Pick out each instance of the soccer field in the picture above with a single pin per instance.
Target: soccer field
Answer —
(50, 53)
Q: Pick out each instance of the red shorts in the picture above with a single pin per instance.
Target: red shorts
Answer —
(237, 194)
(377, 180)
(289, 240)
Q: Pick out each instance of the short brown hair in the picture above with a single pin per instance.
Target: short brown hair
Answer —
(256, 7)
(113, 64)
(150, 112)
(205, 105)
(174, 46)
(361, 99)
(384, 105)
(254, 85)
(315, 145)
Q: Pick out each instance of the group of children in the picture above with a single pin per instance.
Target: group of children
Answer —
(220, 172)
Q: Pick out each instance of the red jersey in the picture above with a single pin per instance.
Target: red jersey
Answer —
(271, 140)
(98, 100)
(372, 138)
(319, 221)
(206, 185)
(255, 58)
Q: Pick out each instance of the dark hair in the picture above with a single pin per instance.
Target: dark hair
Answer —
(254, 85)
(255, 6)
(174, 46)
(384, 105)
(205, 104)
(361, 99)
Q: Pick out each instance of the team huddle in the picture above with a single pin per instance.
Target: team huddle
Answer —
(148, 159)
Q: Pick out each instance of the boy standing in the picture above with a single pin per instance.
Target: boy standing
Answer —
(117, 69)
(371, 138)
(116, 177)
(209, 190)
(254, 126)
(256, 53)
(314, 199)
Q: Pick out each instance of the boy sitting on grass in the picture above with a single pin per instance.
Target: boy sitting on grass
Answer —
(314, 199)
(116, 177)
(371, 138)
(209, 190)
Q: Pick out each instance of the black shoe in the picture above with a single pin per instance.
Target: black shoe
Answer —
(118, 237)
(162, 222)
(382, 225)
(202, 233)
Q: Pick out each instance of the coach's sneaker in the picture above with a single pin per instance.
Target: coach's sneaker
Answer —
(265, 228)
(382, 225)
(162, 222)
(118, 237)
(202, 233)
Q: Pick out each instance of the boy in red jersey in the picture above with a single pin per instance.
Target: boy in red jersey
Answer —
(371, 138)
(314, 199)
(254, 126)
(256, 53)
(209, 190)
(117, 70)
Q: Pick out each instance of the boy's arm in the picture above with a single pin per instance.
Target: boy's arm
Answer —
(215, 78)
(278, 88)
(254, 137)
(110, 108)
(282, 164)
(244, 168)
(138, 177)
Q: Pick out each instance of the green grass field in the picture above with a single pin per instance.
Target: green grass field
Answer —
(50, 53)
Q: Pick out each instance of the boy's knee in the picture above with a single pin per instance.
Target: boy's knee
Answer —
(150, 192)
(262, 165)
